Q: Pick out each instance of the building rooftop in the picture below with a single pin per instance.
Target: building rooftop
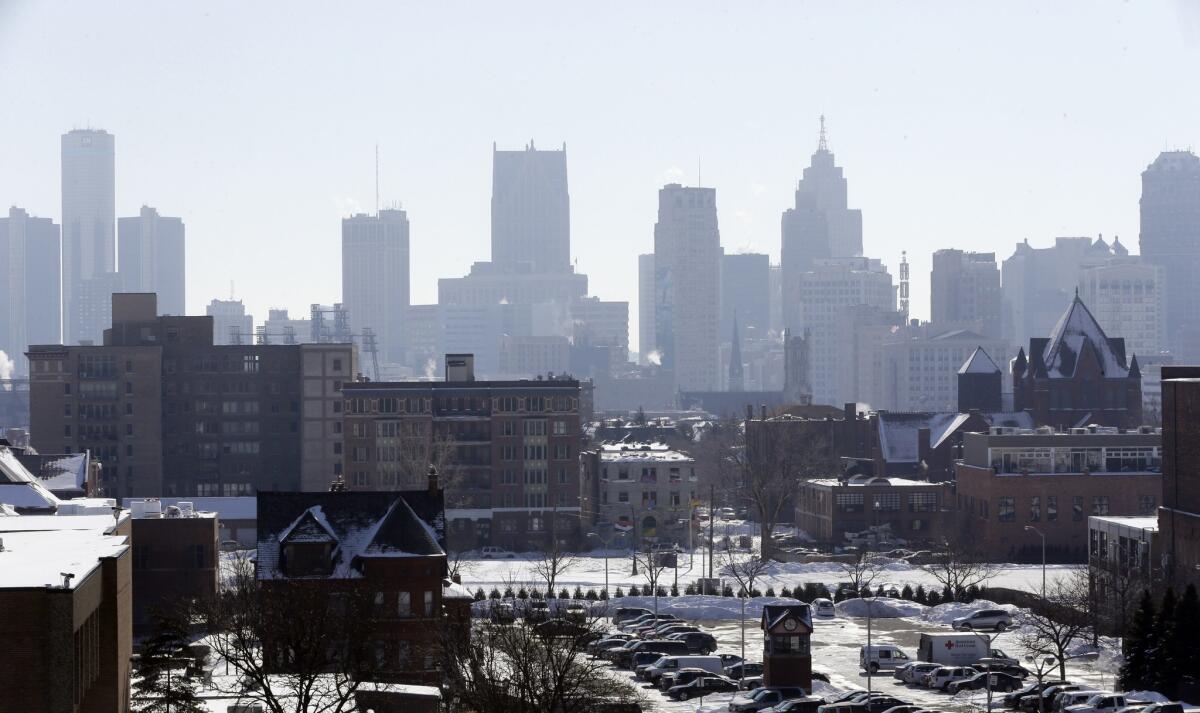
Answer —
(39, 559)
(1138, 523)
(155, 509)
(631, 452)
(979, 363)
(863, 480)
(1076, 331)
(100, 524)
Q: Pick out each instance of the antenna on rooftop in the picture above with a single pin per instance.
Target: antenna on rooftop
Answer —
(821, 144)
(231, 290)
(376, 178)
(903, 259)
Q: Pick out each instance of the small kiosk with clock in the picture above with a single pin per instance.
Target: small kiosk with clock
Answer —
(787, 654)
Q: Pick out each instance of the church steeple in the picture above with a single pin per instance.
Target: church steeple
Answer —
(737, 379)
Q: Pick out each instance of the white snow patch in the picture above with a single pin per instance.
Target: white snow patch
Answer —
(879, 608)
(947, 613)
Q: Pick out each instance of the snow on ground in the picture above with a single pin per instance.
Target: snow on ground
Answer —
(947, 613)
(880, 607)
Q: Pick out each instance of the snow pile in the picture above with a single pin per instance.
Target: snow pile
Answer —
(1146, 696)
(880, 608)
(947, 613)
(704, 606)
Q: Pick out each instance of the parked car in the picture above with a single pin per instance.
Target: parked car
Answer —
(1099, 703)
(1164, 707)
(730, 659)
(491, 552)
(823, 607)
(915, 673)
(681, 677)
(1073, 698)
(996, 619)
(537, 611)
(703, 686)
(697, 641)
(1001, 682)
(906, 708)
(1013, 700)
(1035, 703)
(763, 698)
(941, 678)
(503, 613)
(881, 657)
(575, 612)
(560, 629)
(662, 647)
(808, 704)
(750, 683)
(624, 614)
(873, 703)
(652, 673)
(596, 648)
(744, 669)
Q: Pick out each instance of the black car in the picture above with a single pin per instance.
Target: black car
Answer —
(703, 686)
(560, 629)
(663, 647)
(1013, 700)
(744, 669)
(697, 642)
(870, 704)
(999, 682)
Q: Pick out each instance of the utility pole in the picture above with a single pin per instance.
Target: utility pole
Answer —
(712, 518)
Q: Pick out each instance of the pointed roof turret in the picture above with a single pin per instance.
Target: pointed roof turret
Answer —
(1119, 249)
(979, 363)
(1135, 372)
(1076, 329)
(1020, 364)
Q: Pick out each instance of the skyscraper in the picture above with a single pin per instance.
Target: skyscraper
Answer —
(531, 218)
(818, 226)
(646, 329)
(375, 277)
(150, 249)
(746, 293)
(687, 284)
(231, 324)
(29, 284)
(1170, 237)
(88, 241)
(965, 290)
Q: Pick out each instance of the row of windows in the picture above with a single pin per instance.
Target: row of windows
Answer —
(649, 498)
(1006, 507)
(886, 502)
(461, 404)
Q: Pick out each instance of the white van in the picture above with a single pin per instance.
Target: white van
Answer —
(881, 657)
(666, 664)
(822, 607)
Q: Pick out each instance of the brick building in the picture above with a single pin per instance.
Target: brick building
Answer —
(1078, 376)
(508, 451)
(643, 488)
(787, 645)
(1178, 521)
(1012, 478)
(388, 546)
(167, 412)
(67, 639)
(175, 555)
(914, 510)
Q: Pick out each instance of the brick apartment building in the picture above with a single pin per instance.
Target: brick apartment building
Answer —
(508, 451)
(1052, 481)
(167, 412)
(1078, 376)
(175, 555)
(646, 489)
(67, 639)
(388, 546)
(1178, 518)
(915, 510)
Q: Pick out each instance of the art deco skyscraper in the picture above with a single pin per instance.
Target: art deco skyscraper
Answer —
(88, 242)
(1170, 237)
(375, 277)
(818, 226)
(151, 252)
(531, 223)
(687, 285)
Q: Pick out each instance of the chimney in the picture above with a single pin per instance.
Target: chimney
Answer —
(433, 480)
(749, 412)
(762, 411)
(460, 367)
(923, 448)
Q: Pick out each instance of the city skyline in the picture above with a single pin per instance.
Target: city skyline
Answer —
(242, 187)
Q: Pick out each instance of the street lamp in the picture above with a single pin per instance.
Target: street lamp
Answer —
(1040, 667)
(1043, 536)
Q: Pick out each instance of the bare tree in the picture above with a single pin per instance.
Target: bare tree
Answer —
(653, 563)
(861, 572)
(552, 563)
(958, 565)
(745, 568)
(292, 647)
(1061, 621)
(520, 669)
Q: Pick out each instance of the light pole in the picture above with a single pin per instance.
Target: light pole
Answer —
(603, 542)
(1041, 666)
(1041, 535)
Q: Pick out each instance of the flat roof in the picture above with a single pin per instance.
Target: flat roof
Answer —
(1139, 523)
(100, 524)
(38, 559)
(878, 481)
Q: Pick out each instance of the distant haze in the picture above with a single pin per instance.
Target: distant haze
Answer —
(256, 122)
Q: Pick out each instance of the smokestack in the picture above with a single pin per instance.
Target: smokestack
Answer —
(433, 480)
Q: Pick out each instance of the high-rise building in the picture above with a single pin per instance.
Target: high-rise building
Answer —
(375, 277)
(1127, 297)
(826, 292)
(167, 412)
(746, 294)
(531, 209)
(922, 362)
(29, 285)
(231, 324)
(281, 328)
(965, 291)
(1170, 238)
(602, 324)
(819, 226)
(88, 241)
(687, 285)
(150, 249)
(646, 329)
(1037, 282)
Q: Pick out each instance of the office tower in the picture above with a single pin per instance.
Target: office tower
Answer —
(1170, 238)
(88, 242)
(150, 251)
(775, 290)
(922, 362)
(29, 285)
(1037, 282)
(280, 328)
(1127, 297)
(602, 324)
(965, 291)
(168, 412)
(818, 226)
(531, 219)
(687, 285)
(375, 277)
(646, 329)
(746, 294)
(825, 294)
(737, 375)
(231, 324)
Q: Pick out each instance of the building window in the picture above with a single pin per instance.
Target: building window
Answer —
(1006, 509)
(508, 477)
(887, 501)
(623, 496)
(922, 502)
(536, 523)
(1077, 508)
(428, 603)
(562, 476)
(403, 604)
(360, 478)
(508, 428)
(1100, 505)
(1051, 508)
(1035, 508)
(848, 502)
(337, 365)
(562, 451)
(1146, 505)
(67, 431)
(675, 502)
(560, 428)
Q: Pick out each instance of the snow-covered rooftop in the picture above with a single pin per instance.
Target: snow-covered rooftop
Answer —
(230, 508)
(1139, 523)
(875, 480)
(637, 452)
(102, 524)
(1076, 330)
(19, 487)
(979, 363)
(898, 433)
(38, 559)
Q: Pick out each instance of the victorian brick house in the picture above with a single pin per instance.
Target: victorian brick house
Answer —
(1078, 376)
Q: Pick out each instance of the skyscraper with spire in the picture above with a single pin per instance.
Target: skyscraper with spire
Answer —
(818, 226)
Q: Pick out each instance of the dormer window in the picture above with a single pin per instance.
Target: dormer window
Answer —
(306, 559)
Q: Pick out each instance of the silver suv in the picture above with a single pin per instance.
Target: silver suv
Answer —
(997, 619)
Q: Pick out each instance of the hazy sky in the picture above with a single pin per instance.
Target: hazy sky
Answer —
(958, 124)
